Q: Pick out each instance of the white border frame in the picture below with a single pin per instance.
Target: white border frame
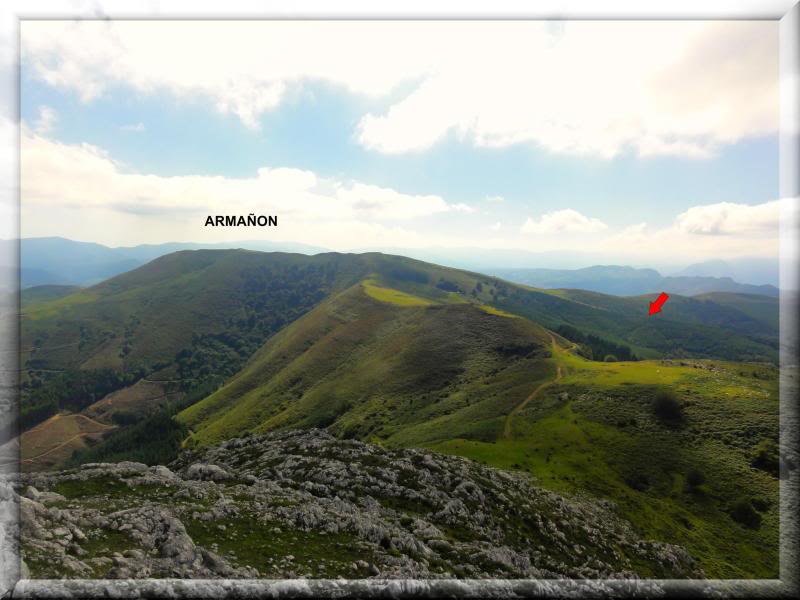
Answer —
(785, 11)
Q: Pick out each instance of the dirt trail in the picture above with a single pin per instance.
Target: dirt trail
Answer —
(102, 426)
(521, 406)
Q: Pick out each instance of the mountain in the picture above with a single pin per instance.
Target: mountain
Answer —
(45, 293)
(365, 354)
(692, 286)
(764, 309)
(487, 259)
(380, 363)
(148, 252)
(193, 311)
(385, 349)
(628, 281)
(59, 261)
(755, 271)
(187, 322)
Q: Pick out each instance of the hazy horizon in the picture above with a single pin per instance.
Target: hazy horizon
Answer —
(744, 269)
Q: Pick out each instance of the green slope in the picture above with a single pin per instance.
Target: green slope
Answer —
(395, 367)
(594, 431)
(405, 353)
(687, 327)
(399, 369)
(218, 306)
(764, 309)
(45, 293)
(194, 318)
(180, 302)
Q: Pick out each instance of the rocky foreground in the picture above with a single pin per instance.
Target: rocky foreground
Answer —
(305, 504)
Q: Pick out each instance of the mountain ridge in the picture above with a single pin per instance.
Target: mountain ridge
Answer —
(60, 261)
(629, 281)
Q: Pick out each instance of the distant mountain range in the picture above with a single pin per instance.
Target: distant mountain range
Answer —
(60, 261)
(753, 271)
(628, 281)
(756, 271)
(63, 262)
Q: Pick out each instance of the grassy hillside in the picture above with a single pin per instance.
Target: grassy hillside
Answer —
(374, 363)
(402, 370)
(763, 309)
(404, 353)
(194, 318)
(701, 480)
(195, 301)
(194, 311)
(45, 293)
(686, 328)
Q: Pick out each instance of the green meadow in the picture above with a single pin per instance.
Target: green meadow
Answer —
(594, 432)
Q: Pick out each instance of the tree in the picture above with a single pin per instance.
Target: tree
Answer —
(667, 407)
(695, 478)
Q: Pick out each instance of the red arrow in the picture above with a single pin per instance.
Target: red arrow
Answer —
(655, 307)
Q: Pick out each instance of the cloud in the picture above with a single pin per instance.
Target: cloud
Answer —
(82, 192)
(133, 127)
(563, 221)
(46, 120)
(716, 230)
(727, 218)
(67, 177)
(495, 199)
(591, 88)
(598, 90)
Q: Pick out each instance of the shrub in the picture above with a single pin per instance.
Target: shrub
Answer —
(744, 514)
(766, 457)
(667, 407)
(637, 481)
(695, 478)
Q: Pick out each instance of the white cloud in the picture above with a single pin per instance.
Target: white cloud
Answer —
(727, 218)
(81, 192)
(58, 178)
(46, 120)
(495, 199)
(563, 221)
(590, 88)
(133, 127)
(716, 230)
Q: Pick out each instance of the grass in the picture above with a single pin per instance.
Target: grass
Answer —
(250, 541)
(105, 487)
(384, 294)
(594, 432)
(375, 370)
(496, 311)
(406, 353)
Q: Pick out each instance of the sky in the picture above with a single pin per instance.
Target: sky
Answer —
(619, 138)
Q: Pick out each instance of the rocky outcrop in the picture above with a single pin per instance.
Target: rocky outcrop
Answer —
(305, 504)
